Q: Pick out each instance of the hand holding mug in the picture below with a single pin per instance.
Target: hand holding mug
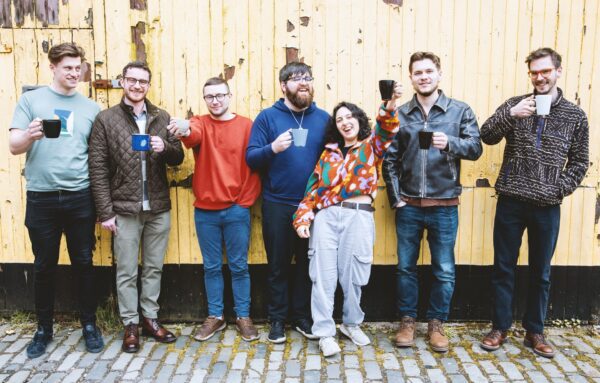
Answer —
(157, 144)
(282, 142)
(439, 140)
(524, 109)
(396, 94)
(35, 130)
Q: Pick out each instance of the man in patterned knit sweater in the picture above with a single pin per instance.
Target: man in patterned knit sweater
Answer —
(545, 159)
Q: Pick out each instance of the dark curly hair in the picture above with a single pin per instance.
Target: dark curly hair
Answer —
(332, 133)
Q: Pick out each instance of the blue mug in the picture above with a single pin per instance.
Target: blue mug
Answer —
(140, 142)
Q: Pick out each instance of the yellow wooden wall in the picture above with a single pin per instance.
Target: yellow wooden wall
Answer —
(350, 45)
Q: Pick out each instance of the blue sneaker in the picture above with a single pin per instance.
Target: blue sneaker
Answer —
(40, 341)
(93, 338)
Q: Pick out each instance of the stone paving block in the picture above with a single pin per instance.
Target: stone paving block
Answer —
(257, 365)
(489, 367)
(273, 377)
(312, 377)
(394, 376)
(536, 376)
(159, 352)
(181, 342)
(186, 331)
(219, 369)
(576, 378)
(312, 347)
(278, 347)
(313, 362)
(74, 375)
(292, 368)
(149, 369)
(229, 337)
(72, 339)
(552, 371)
(69, 361)
(131, 375)
(39, 378)
(146, 348)
(204, 361)
(415, 380)
(564, 363)
(234, 376)
(239, 361)
(111, 351)
(450, 365)
(463, 355)
(390, 362)
(457, 379)
(11, 338)
(88, 359)
(351, 361)
(526, 363)
(368, 352)
(122, 361)
(19, 377)
(353, 376)
(136, 364)
(580, 345)
(594, 341)
(192, 347)
(411, 368)
(512, 371)
(113, 376)
(58, 353)
(198, 376)
(511, 349)
(587, 369)
(98, 370)
(427, 358)
(474, 373)
(333, 371)
(497, 378)
(372, 370)
(171, 358)
(180, 379)
(295, 349)
(291, 380)
(164, 372)
(185, 366)
(17, 345)
(4, 358)
(436, 375)
(260, 351)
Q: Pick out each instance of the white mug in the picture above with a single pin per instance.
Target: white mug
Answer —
(542, 104)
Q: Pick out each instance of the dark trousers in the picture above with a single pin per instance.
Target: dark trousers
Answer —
(48, 216)
(281, 244)
(542, 224)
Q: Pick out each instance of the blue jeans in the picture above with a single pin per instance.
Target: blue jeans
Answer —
(441, 223)
(231, 226)
(48, 215)
(542, 224)
(282, 244)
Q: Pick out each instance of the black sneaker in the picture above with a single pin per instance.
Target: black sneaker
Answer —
(40, 341)
(93, 338)
(277, 332)
(303, 326)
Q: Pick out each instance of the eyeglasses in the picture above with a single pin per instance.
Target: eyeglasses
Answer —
(301, 78)
(211, 97)
(544, 72)
(132, 81)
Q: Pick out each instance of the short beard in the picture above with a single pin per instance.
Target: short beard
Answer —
(427, 94)
(298, 101)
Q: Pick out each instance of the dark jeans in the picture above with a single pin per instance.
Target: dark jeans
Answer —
(441, 223)
(281, 244)
(48, 216)
(542, 224)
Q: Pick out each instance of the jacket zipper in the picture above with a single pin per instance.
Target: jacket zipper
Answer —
(423, 157)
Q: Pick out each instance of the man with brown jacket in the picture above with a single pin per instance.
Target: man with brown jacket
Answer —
(131, 192)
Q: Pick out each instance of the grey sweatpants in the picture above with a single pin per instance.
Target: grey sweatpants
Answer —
(340, 248)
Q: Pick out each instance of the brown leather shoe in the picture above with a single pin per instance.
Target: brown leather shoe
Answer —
(493, 340)
(405, 336)
(437, 338)
(210, 326)
(539, 344)
(246, 328)
(131, 338)
(152, 327)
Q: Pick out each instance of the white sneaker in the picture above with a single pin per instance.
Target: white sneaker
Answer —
(329, 346)
(356, 335)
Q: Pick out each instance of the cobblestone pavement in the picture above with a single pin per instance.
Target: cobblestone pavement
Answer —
(226, 358)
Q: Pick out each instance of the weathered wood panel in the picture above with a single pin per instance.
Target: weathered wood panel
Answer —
(350, 45)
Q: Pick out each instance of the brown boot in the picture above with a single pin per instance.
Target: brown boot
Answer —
(152, 327)
(246, 328)
(437, 339)
(131, 338)
(210, 326)
(539, 344)
(493, 340)
(405, 336)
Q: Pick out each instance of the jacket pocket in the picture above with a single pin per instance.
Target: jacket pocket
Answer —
(452, 166)
(361, 268)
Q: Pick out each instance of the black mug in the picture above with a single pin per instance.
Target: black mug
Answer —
(386, 88)
(51, 128)
(425, 139)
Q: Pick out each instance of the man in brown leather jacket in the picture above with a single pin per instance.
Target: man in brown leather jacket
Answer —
(131, 192)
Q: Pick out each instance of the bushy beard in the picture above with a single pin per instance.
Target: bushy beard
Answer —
(300, 102)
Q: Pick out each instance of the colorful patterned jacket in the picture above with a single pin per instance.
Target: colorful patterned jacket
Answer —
(337, 178)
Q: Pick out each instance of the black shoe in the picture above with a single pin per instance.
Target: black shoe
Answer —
(93, 338)
(303, 326)
(40, 341)
(277, 332)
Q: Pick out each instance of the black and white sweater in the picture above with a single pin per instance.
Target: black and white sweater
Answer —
(544, 159)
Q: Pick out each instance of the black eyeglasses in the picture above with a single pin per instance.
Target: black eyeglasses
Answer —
(219, 97)
(132, 81)
(301, 78)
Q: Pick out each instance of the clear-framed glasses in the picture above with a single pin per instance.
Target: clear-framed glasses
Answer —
(544, 72)
(299, 79)
(131, 81)
(219, 97)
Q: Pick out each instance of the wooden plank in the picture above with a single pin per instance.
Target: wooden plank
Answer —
(459, 70)
(331, 49)
(576, 227)
(589, 257)
(488, 223)
(118, 45)
(269, 72)
(240, 58)
(464, 253)
(561, 256)
(478, 233)
(80, 14)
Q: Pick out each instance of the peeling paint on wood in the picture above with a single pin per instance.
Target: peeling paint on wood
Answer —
(291, 55)
(290, 26)
(304, 21)
(228, 72)
(393, 2)
(89, 19)
(136, 38)
(140, 5)
(45, 46)
(23, 8)
(46, 11)
(5, 14)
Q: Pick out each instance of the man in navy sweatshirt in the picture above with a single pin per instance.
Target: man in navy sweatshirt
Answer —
(285, 144)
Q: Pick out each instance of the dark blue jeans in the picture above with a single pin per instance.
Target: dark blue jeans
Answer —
(47, 217)
(281, 244)
(231, 226)
(441, 223)
(542, 224)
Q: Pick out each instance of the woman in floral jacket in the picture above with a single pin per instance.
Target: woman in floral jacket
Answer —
(338, 199)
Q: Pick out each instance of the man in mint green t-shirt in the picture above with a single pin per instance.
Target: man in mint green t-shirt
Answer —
(59, 199)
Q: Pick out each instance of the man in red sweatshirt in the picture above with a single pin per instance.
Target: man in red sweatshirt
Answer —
(225, 188)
